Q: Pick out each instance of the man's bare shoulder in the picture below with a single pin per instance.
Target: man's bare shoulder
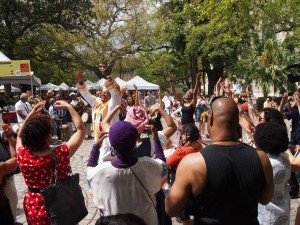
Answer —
(193, 166)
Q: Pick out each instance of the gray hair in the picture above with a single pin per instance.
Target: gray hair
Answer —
(23, 96)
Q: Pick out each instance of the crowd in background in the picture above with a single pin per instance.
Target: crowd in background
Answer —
(134, 159)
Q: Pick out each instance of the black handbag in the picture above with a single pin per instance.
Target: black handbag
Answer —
(64, 201)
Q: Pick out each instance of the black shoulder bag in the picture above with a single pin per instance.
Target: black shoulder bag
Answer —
(64, 201)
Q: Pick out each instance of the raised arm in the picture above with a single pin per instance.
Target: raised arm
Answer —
(282, 103)
(95, 152)
(7, 167)
(218, 86)
(81, 87)
(195, 90)
(137, 96)
(268, 192)
(226, 88)
(109, 116)
(159, 98)
(77, 138)
(251, 109)
(11, 140)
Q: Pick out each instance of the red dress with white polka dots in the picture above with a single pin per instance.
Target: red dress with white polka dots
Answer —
(37, 174)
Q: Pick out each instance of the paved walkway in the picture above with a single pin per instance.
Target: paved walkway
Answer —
(78, 163)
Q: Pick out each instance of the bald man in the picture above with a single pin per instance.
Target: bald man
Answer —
(227, 179)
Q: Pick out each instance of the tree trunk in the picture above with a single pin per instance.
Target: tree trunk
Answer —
(213, 76)
(7, 89)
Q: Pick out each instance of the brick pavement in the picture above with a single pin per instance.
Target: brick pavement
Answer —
(78, 163)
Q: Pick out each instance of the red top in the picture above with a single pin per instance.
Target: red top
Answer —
(174, 159)
(37, 171)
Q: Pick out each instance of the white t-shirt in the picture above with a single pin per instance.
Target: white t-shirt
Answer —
(24, 107)
(119, 191)
(168, 101)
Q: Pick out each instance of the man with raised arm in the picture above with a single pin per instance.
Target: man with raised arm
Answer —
(227, 179)
(109, 98)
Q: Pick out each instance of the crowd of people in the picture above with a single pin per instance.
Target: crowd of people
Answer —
(230, 165)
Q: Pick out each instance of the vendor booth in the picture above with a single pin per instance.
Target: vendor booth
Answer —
(141, 84)
(15, 72)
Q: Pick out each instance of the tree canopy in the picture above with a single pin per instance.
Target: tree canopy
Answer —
(244, 40)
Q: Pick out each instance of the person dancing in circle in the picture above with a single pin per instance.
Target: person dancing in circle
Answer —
(188, 104)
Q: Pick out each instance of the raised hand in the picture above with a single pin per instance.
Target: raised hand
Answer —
(248, 90)
(39, 107)
(219, 82)
(6, 129)
(80, 76)
(297, 98)
(61, 104)
(198, 76)
(171, 76)
(285, 97)
(101, 137)
(153, 130)
(153, 109)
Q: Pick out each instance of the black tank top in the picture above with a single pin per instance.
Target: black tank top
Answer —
(187, 114)
(234, 182)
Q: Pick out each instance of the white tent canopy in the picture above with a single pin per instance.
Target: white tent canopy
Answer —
(88, 82)
(97, 85)
(63, 87)
(13, 89)
(141, 84)
(3, 57)
(46, 87)
(120, 82)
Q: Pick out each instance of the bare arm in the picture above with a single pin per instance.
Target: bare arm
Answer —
(268, 172)
(7, 167)
(294, 160)
(195, 90)
(11, 140)
(20, 113)
(137, 96)
(282, 102)
(109, 116)
(159, 98)
(190, 180)
(218, 87)
(251, 109)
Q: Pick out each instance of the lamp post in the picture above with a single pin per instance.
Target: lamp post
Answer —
(31, 75)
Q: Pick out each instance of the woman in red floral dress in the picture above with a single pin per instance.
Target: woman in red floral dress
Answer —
(34, 157)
